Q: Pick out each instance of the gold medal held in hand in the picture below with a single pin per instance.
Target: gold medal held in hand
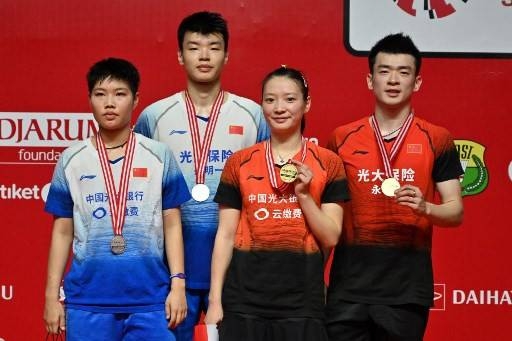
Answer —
(389, 186)
(288, 173)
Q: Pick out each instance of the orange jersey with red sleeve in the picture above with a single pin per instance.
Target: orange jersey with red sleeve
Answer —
(275, 253)
(428, 155)
(384, 255)
(270, 219)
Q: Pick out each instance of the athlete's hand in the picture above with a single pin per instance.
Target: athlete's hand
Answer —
(176, 305)
(304, 177)
(54, 316)
(411, 196)
(214, 314)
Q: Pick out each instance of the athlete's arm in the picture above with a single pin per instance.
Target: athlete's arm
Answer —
(324, 221)
(62, 237)
(222, 253)
(176, 303)
(448, 213)
(451, 210)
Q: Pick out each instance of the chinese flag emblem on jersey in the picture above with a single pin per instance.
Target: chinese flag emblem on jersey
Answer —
(236, 130)
(140, 172)
(414, 148)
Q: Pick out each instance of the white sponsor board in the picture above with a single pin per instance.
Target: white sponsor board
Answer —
(438, 27)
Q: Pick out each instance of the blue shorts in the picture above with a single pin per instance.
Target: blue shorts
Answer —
(197, 304)
(85, 325)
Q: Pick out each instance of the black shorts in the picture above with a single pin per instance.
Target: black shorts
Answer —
(372, 322)
(238, 327)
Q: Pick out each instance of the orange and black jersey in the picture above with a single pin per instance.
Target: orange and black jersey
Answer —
(277, 264)
(384, 254)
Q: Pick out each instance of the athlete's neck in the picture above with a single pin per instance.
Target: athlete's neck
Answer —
(286, 145)
(203, 96)
(390, 119)
(113, 138)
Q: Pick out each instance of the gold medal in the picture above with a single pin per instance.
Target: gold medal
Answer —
(118, 244)
(389, 186)
(288, 173)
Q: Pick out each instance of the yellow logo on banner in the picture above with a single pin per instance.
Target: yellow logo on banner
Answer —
(471, 156)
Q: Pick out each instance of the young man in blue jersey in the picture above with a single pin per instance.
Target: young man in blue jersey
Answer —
(203, 125)
(115, 198)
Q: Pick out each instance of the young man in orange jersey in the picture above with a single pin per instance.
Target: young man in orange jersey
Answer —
(381, 280)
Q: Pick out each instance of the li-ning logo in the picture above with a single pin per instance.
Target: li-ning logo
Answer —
(259, 178)
(179, 132)
(90, 177)
(436, 9)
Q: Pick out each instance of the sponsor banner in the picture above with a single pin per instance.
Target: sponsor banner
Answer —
(444, 27)
(40, 138)
(29, 155)
(439, 297)
(476, 175)
(464, 297)
(19, 129)
(6, 292)
(482, 297)
(17, 192)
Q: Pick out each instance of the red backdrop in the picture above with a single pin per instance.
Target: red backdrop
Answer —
(46, 48)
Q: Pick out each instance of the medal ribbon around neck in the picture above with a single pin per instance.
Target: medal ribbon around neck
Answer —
(397, 144)
(269, 158)
(116, 199)
(200, 152)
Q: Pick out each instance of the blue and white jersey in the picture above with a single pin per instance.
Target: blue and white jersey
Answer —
(240, 124)
(138, 279)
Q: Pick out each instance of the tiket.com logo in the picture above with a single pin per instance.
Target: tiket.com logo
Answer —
(435, 9)
(476, 176)
(439, 297)
(16, 192)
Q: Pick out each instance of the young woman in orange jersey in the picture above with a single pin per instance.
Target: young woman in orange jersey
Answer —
(279, 211)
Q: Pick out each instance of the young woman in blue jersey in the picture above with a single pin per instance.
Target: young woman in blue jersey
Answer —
(115, 199)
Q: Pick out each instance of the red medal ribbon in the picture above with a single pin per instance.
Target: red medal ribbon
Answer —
(116, 199)
(397, 144)
(200, 152)
(269, 158)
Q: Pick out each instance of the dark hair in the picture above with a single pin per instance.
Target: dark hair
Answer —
(397, 43)
(204, 23)
(294, 75)
(114, 68)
